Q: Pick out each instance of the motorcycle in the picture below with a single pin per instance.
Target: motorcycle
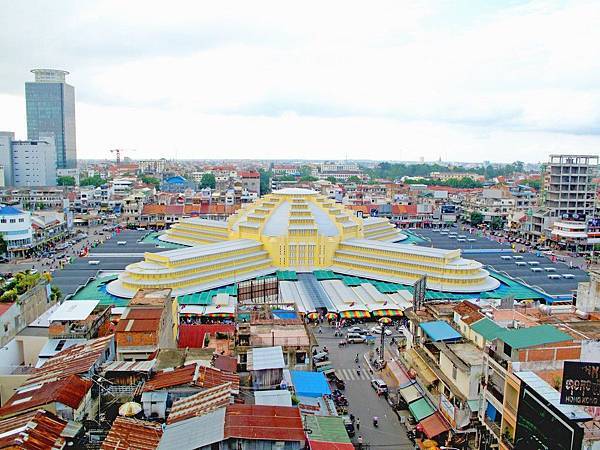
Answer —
(376, 422)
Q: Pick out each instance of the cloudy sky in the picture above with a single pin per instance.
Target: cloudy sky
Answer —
(461, 80)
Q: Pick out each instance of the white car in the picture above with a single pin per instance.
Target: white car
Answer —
(377, 330)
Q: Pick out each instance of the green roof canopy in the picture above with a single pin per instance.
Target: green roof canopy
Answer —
(326, 428)
(533, 336)
(487, 328)
(421, 409)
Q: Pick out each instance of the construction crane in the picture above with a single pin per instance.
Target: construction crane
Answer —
(118, 152)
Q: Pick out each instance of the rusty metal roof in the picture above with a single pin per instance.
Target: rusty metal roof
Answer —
(69, 391)
(129, 366)
(78, 359)
(128, 433)
(201, 403)
(137, 325)
(142, 313)
(171, 378)
(36, 430)
(273, 423)
(201, 376)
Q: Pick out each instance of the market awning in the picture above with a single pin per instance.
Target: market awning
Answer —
(411, 393)
(354, 314)
(421, 409)
(386, 313)
(434, 425)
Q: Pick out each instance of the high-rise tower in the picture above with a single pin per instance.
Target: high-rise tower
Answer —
(51, 110)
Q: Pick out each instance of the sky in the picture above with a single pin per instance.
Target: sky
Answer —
(457, 80)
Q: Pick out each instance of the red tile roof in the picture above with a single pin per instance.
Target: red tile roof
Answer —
(277, 423)
(468, 312)
(249, 174)
(42, 431)
(69, 391)
(78, 359)
(171, 378)
(127, 433)
(404, 209)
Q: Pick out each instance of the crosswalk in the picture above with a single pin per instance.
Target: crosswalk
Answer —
(351, 374)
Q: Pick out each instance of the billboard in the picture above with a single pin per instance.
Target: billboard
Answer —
(448, 209)
(580, 383)
(541, 426)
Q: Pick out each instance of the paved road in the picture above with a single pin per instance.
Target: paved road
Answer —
(364, 403)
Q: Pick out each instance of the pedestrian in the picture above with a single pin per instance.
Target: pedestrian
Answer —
(358, 423)
(360, 441)
(320, 330)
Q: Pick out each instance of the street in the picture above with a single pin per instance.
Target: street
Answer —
(364, 402)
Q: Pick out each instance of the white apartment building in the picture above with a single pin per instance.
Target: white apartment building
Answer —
(15, 228)
(34, 163)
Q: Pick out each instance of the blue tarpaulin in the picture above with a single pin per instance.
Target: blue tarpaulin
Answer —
(310, 384)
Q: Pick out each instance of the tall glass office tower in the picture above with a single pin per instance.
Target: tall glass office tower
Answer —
(51, 109)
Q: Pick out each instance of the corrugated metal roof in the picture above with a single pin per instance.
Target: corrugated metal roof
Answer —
(137, 325)
(201, 403)
(489, 329)
(327, 429)
(266, 358)
(310, 384)
(533, 336)
(129, 366)
(78, 359)
(128, 433)
(69, 391)
(37, 430)
(273, 398)
(196, 432)
(439, 330)
(275, 423)
(209, 377)
(142, 313)
(170, 378)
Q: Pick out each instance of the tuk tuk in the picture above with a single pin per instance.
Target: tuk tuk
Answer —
(320, 357)
(323, 366)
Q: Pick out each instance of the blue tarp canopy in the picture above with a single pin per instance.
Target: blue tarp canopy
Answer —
(284, 314)
(439, 330)
(310, 384)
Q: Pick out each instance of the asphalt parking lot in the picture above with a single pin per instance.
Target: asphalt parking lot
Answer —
(510, 267)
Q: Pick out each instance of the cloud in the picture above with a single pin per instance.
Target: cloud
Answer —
(388, 78)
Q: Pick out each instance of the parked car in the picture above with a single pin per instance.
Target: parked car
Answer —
(379, 385)
(355, 338)
(357, 330)
(377, 330)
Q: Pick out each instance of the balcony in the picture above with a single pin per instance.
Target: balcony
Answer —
(507, 442)
(493, 426)
(497, 358)
(496, 393)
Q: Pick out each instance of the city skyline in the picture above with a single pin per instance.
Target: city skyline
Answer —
(459, 82)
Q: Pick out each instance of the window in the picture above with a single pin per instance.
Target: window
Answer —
(507, 349)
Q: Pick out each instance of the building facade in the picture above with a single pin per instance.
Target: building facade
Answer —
(50, 104)
(34, 163)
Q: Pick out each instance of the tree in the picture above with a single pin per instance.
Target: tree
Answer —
(497, 223)
(96, 181)
(3, 245)
(208, 180)
(265, 181)
(308, 178)
(354, 179)
(332, 180)
(146, 179)
(535, 184)
(476, 218)
(55, 294)
(65, 181)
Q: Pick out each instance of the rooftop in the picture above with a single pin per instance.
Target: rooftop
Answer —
(440, 331)
(74, 310)
(266, 358)
(129, 433)
(487, 328)
(273, 423)
(35, 430)
(533, 336)
(329, 429)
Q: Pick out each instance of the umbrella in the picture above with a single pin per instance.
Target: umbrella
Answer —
(130, 409)
(385, 320)
(313, 316)
(331, 315)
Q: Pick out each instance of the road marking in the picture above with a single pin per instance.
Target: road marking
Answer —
(351, 375)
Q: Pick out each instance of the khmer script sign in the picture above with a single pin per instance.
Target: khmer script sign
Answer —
(580, 383)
